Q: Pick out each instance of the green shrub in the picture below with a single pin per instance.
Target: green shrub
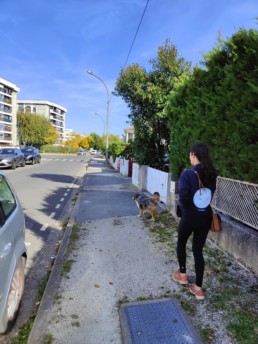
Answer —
(58, 149)
(217, 104)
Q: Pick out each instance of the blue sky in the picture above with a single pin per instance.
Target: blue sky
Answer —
(48, 46)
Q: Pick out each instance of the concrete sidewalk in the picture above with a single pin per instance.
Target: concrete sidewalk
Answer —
(115, 260)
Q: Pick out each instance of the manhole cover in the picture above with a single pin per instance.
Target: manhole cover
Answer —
(157, 322)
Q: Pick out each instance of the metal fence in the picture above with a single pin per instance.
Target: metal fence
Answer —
(238, 200)
(232, 197)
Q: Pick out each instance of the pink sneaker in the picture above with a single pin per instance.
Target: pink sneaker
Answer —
(178, 277)
(199, 294)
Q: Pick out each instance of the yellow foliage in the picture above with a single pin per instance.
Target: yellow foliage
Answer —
(85, 142)
(79, 141)
(52, 135)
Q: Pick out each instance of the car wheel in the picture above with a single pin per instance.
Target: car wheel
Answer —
(14, 297)
(32, 162)
(23, 163)
(13, 167)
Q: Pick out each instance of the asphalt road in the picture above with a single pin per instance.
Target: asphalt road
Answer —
(45, 191)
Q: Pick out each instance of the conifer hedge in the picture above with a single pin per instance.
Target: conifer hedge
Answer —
(218, 105)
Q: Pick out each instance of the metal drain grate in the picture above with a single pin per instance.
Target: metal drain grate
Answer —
(157, 322)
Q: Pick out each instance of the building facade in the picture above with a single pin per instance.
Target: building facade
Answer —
(128, 134)
(55, 113)
(68, 134)
(8, 110)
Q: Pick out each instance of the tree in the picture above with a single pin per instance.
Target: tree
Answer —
(78, 140)
(85, 141)
(32, 128)
(116, 149)
(127, 152)
(218, 105)
(146, 95)
(52, 136)
(97, 142)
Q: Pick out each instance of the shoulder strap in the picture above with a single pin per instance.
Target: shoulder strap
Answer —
(199, 180)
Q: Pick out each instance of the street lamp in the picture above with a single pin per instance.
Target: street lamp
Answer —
(108, 101)
(95, 113)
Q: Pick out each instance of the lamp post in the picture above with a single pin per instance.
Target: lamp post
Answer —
(108, 101)
(95, 113)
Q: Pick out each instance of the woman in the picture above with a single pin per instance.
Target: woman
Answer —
(196, 220)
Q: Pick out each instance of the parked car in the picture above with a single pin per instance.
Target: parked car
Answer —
(82, 152)
(94, 152)
(32, 155)
(11, 157)
(13, 254)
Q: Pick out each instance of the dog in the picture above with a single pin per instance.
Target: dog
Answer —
(147, 205)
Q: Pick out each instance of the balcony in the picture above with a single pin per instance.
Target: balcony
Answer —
(7, 101)
(7, 119)
(5, 90)
(5, 109)
(55, 110)
(56, 117)
(6, 128)
(5, 137)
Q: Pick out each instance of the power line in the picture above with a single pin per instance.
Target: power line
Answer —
(134, 37)
(136, 33)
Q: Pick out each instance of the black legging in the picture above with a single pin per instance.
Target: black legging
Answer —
(199, 225)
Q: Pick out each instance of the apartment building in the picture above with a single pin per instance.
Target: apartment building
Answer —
(55, 113)
(68, 134)
(8, 110)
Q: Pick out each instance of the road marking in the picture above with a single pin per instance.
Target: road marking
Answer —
(58, 159)
(68, 190)
(65, 194)
(27, 243)
(58, 206)
(44, 227)
(52, 214)
(62, 199)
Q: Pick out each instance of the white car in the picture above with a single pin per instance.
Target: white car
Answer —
(13, 254)
(94, 152)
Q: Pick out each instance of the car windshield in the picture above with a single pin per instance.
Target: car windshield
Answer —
(27, 150)
(6, 151)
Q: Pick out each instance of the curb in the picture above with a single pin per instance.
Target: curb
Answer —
(47, 301)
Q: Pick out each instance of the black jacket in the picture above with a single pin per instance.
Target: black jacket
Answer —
(188, 184)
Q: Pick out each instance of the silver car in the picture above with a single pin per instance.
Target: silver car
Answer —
(11, 157)
(13, 254)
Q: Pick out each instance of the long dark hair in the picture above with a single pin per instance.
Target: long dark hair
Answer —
(202, 153)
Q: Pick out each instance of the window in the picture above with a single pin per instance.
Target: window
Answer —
(7, 151)
(7, 199)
